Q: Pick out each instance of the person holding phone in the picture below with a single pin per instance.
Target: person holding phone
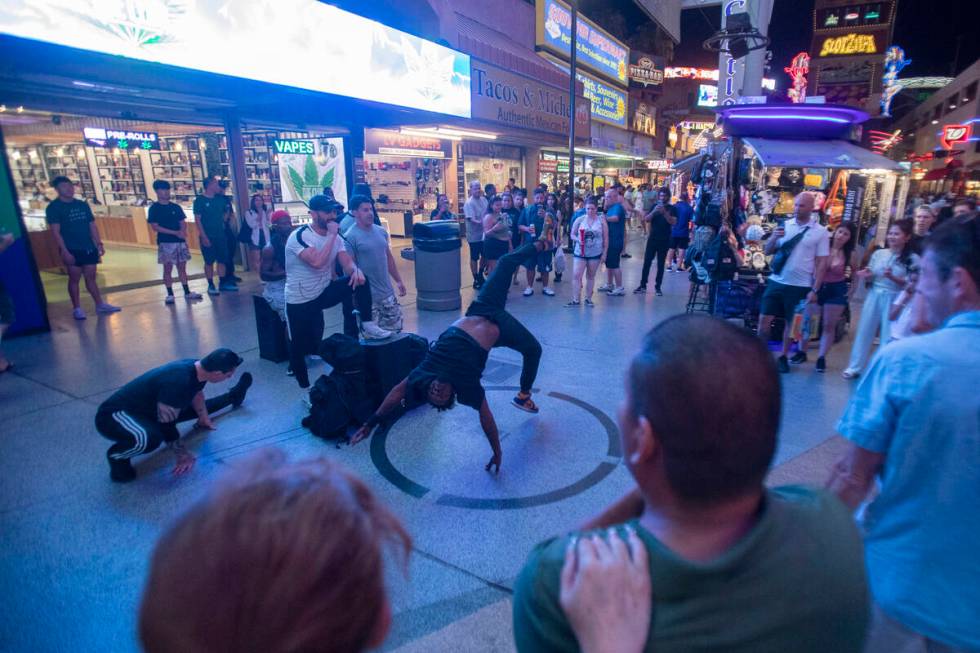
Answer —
(801, 276)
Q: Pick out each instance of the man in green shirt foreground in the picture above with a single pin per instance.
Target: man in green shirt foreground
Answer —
(733, 566)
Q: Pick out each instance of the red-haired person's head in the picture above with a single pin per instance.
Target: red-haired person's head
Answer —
(280, 557)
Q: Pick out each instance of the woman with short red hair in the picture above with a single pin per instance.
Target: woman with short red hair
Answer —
(281, 557)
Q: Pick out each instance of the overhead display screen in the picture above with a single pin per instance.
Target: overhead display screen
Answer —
(299, 43)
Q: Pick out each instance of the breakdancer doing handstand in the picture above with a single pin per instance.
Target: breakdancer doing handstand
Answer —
(455, 362)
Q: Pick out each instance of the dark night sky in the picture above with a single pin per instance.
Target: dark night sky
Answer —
(928, 30)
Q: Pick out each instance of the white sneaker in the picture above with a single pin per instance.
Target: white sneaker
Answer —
(528, 291)
(372, 331)
(78, 313)
(617, 292)
(548, 291)
(193, 295)
(170, 299)
(606, 287)
(107, 308)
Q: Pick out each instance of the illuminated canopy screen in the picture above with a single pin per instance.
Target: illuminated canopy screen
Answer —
(299, 43)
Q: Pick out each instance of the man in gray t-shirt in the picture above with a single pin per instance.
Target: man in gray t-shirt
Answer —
(367, 243)
(474, 211)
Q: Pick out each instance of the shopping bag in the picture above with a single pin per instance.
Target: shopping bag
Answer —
(797, 325)
(559, 261)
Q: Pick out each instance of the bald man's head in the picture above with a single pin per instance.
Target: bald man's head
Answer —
(805, 202)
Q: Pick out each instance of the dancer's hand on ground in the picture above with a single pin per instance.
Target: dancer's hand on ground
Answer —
(206, 423)
(494, 465)
(185, 463)
(362, 433)
(606, 594)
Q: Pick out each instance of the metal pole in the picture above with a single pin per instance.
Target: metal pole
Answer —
(571, 103)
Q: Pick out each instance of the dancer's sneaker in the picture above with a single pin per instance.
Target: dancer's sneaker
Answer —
(606, 287)
(227, 286)
(528, 291)
(617, 292)
(590, 303)
(238, 392)
(79, 313)
(193, 295)
(783, 364)
(798, 358)
(548, 292)
(524, 402)
(121, 471)
(372, 331)
(213, 291)
(170, 299)
(821, 365)
(573, 303)
(640, 290)
(105, 308)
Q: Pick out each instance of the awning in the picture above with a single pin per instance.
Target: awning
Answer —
(686, 165)
(818, 154)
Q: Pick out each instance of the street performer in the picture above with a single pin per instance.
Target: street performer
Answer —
(454, 364)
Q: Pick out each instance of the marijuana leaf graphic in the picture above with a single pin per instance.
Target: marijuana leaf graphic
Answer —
(327, 181)
(296, 181)
(310, 176)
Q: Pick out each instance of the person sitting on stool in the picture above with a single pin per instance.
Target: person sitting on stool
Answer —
(312, 285)
(145, 412)
(454, 364)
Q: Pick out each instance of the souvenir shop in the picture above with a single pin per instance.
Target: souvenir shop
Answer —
(748, 179)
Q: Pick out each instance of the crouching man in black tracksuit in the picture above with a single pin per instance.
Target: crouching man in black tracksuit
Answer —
(145, 412)
(454, 364)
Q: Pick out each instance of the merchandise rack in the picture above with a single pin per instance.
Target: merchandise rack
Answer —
(63, 160)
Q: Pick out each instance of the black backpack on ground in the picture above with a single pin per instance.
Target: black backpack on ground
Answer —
(340, 399)
(361, 377)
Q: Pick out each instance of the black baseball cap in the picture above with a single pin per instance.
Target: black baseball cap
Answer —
(325, 204)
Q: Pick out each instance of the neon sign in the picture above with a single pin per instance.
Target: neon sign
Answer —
(895, 61)
(697, 125)
(954, 134)
(706, 74)
(881, 141)
(798, 69)
(293, 146)
(122, 139)
(849, 44)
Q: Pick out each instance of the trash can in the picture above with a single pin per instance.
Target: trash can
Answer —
(436, 248)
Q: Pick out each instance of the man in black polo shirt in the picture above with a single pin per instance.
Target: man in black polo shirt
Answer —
(454, 364)
(145, 412)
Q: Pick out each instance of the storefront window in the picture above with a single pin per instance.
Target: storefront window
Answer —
(492, 164)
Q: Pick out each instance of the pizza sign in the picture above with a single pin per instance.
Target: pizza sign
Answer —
(954, 134)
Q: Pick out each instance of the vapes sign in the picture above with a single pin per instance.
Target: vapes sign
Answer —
(290, 146)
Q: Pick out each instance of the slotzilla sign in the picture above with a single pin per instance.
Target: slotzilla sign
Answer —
(597, 49)
(517, 101)
(849, 44)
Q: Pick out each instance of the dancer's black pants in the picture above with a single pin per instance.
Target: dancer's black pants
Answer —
(491, 302)
(305, 321)
(658, 249)
(135, 434)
